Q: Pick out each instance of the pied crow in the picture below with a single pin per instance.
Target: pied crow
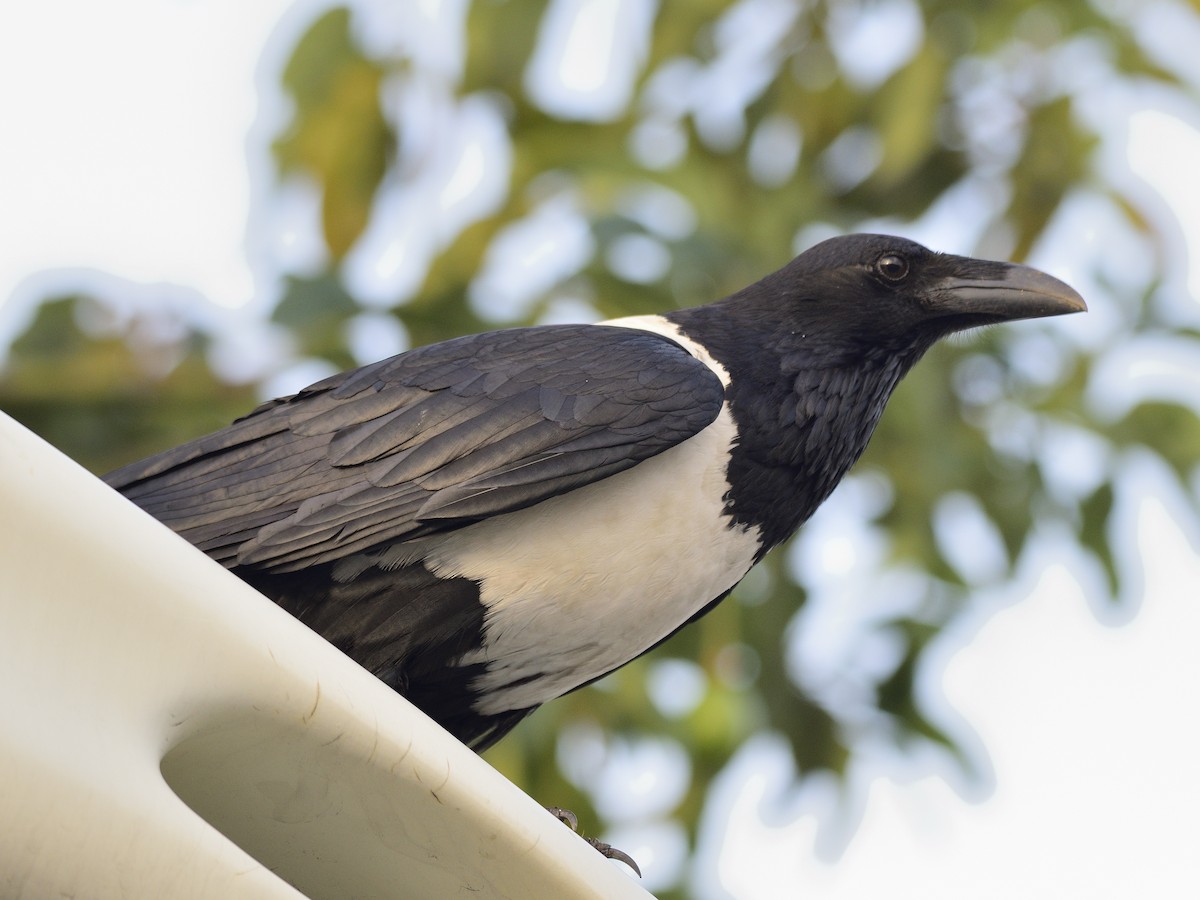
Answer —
(492, 521)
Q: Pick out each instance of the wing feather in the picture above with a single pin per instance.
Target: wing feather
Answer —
(427, 441)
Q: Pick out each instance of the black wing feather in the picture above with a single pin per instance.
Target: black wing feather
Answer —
(427, 441)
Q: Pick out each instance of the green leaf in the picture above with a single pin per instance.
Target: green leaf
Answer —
(1094, 515)
(907, 107)
(1056, 157)
(339, 136)
(315, 311)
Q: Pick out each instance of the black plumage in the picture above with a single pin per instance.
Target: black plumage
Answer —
(426, 441)
(491, 521)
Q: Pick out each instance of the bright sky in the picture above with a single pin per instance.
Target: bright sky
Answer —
(124, 150)
(1092, 744)
(124, 142)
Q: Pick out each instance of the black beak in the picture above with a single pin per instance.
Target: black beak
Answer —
(979, 292)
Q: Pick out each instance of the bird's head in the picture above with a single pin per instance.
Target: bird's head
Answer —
(874, 292)
(815, 350)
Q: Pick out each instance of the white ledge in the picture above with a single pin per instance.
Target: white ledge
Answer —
(166, 731)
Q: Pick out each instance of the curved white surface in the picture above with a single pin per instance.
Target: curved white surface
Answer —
(165, 731)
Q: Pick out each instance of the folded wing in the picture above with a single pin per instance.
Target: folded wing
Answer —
(427, 441)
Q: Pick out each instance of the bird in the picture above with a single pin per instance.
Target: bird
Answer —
(490, 522)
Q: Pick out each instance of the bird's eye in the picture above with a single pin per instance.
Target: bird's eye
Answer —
(892, 267)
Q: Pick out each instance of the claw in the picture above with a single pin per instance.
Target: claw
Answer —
(608, 851)
(565, 816)
(611, 852)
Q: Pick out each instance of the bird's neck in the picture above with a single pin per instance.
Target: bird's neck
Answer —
(804, 413)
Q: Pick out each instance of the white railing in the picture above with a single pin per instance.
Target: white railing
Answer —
(165, 731)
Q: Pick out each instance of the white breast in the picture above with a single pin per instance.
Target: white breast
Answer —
(582, 583)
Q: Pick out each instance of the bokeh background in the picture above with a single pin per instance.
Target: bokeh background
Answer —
(972, 674)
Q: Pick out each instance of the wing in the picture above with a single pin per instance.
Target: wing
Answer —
(427, 441)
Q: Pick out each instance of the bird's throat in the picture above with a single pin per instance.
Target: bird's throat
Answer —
(795, 445)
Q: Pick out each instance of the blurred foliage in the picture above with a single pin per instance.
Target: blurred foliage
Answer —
(340, 139)
(110, 390)
(757, 137)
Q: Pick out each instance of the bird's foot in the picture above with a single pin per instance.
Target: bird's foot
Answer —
(608, 851)
(565, 816)
(611, 852)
